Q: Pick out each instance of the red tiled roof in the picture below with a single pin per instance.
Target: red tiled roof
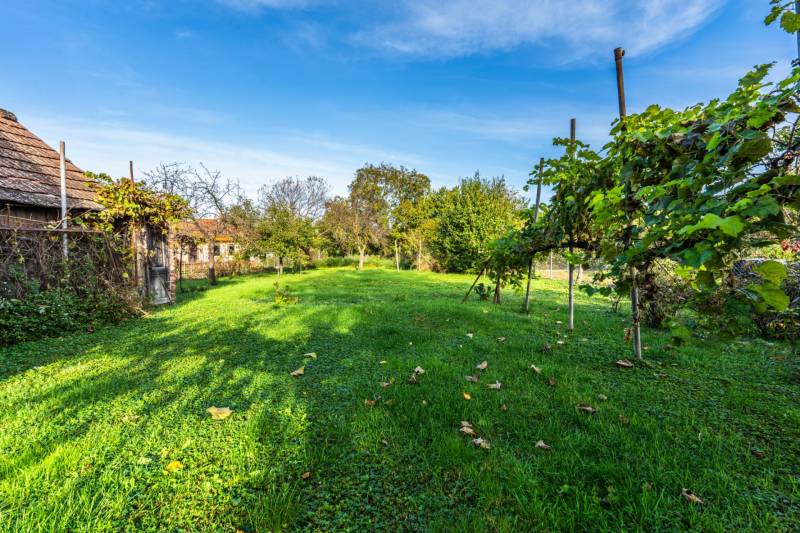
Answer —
(29, 171)
(189, 227)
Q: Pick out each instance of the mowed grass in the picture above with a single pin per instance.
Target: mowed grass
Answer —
(89, 423)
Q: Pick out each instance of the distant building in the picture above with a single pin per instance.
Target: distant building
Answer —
(30, 179)
(197, 250)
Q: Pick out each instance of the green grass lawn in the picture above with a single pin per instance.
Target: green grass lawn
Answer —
(89, 423)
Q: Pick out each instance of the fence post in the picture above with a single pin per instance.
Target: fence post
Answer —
(63, 171)
(635, 327)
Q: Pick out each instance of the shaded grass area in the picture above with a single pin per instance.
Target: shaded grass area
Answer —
(89, 423)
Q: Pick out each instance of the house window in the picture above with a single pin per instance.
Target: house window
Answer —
(192, 253)
(231, 249)
(216, 250)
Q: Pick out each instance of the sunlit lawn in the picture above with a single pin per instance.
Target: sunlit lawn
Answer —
(89, 423)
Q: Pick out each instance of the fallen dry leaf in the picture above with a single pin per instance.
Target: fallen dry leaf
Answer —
(173, 466)
(467, 430)
(470, 335)
(389, 402)
(471, 379)
(551, 382)
(299, 372)
(587, 409)
(547, 347)
(306, 475)
(559, 342)
(504, 408)
(558, 322)
(624, 419)
(467, 396)
(495, 385)
(385, 384)
(624, 363)
(536, 369)
(758, 454)
(483, 366)
(628, 334)
(144, 461)
(419, 370)
(464, 424)
(481, 443)
(542, 446)
(382, 362)
(219, 413)
(310, 355)
(501, 339)
(369, 403)
(602, 397)
(412, 378)
(691, 496)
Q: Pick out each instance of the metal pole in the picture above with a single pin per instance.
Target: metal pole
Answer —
(63, 171)
(570, 266)
(619, 53)
(130, 163)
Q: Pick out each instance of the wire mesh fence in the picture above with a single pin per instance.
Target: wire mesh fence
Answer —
(32, 259)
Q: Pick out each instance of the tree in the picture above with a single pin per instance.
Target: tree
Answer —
(367, 219)
(287, 235)
(469, 217)
(305, 198)
(208, 195)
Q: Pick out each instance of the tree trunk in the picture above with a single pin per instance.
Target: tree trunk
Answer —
(361, 252)
(497, 292)
(526, 302)
(180, 269)
(637, 334)
(212, 264)
(580, 273)
(280, 266)
(551, 264)
(396, 256)
(419, 256)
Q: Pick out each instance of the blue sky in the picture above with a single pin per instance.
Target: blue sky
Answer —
(263, 89)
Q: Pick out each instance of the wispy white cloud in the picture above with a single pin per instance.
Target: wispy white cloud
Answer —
(454, 28)
(107, 146)
(257, 5)
(464, 27)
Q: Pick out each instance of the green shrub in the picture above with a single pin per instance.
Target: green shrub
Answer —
(352, 261)
(283, 295)
(55, 312)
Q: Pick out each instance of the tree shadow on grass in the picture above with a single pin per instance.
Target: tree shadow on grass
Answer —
(106, 414)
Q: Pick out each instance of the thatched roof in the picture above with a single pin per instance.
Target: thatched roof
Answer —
(29, 171)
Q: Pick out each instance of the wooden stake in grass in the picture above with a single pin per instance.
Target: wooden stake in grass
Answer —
(636, 337)
(570, 266)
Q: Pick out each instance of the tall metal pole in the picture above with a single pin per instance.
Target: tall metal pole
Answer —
(570, 266)
(636, 336)
(526, 303)
(130, 166)
(63, 171)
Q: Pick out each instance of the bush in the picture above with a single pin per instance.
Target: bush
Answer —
(55, 312)
(352, 261)
(662, 294)
(283, 295)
